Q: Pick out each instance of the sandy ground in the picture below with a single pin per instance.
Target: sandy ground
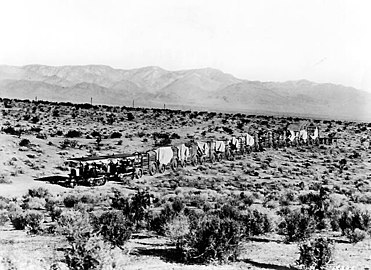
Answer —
(279, 171)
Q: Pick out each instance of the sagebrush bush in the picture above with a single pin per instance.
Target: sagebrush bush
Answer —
(39, 192)
(53, 209)
(33, 203)
(158, 222)
(89, 198)
(70, 200)
(297, 225)
(177, 230)
(353, 222)
(356, 235)
(86, 249)
(255, 223)
(73, 134)
(34, 219)
(24, 142)
(4, 202)
(315, 254)
(114, 227)
(213, 238)
(116, 135)
(29, 219)
(4, 217)
(88, 252)
(134, 208)
(74, 224)
(18, 220)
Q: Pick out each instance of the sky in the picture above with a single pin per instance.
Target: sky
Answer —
(266, 40)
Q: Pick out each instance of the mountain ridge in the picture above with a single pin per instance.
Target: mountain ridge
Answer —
(204, 87)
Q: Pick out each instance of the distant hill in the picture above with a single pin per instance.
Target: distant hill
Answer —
(203, 88)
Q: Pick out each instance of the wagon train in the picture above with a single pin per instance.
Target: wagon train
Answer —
(97, 170)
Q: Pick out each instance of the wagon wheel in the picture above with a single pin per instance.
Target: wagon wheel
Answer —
(152, 169)
(228, 154)
(174, 164)
(72, 184)
(194, 161)
(212, 158)
(90, 182)
(138, 173)
(102, 181)
(182, 163)
(242, 150)
(201, 160)
(161, 168)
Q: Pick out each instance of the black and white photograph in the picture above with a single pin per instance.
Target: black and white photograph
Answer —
(185, 134)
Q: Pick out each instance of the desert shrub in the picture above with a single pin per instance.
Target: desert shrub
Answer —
(287, 198)
(39, 192)
(34, 219)
(177, 230)
(73, 223)
(213, 238)
(229, 211)
(355, 236)
(31, 219)
(86, 252)
(70, 200)
(134, 208)
(53, 209)
(18, 220)
(297, 225)
(116, 135)
(4, 179)
(319, 206)
(4, 202)
(86, 248)
(130, 116)
(33, 203)
(73, 134)
(168, 213)
(177, 205)
(42, 136)
(119, 201)
(10, 130)
(68, 143)
(95, 133)
(89, 198)
(56, 113)
(25, 142)
(139, 204)
(315, 254)
(35, 119)
(3, 217)
(114, 227)
(254, 222)
(247, 198)
(353, 222)
(161, 139)
(174, 136)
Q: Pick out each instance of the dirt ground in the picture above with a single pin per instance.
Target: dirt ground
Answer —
(269, 175)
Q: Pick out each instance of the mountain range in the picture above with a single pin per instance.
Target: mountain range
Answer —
(207, 89)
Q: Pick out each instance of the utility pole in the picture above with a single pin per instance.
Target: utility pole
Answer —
(133, 103)
(164, 107)
(91, 101)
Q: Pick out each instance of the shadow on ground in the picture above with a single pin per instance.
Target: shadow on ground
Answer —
(167, 255)
(268, 265)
